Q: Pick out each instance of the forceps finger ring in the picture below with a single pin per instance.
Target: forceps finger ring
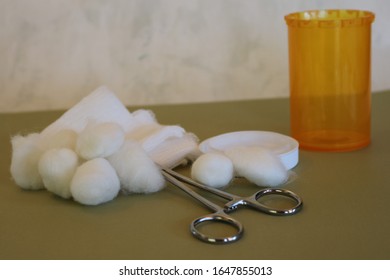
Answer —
(253, 202)
(219, 216)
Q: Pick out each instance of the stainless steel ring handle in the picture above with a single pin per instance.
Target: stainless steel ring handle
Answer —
(217, 218)
(278, 212)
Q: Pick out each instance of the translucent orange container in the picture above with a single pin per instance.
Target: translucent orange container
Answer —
(330, 92)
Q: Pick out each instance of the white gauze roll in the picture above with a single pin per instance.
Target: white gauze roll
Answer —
(57, 167)
(136, 170)
(26, 153)
(258, 165)
(212, 169)
(95, 182)
(176, 151)
(99, 140)
(152, 135)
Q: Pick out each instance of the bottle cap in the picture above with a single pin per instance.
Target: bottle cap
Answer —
(283, 146)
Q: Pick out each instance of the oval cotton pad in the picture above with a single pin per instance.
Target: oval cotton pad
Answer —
(95, 182)
(212, 169)
(136, 170)
(100, 140)
(57, 167)
(258, 165)
(284, 146)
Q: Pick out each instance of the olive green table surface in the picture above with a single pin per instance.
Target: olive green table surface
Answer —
(345, 215)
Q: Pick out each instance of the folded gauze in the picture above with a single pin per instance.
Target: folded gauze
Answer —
(97, 148)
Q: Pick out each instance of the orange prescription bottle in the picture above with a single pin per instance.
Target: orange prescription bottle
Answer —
(329, 66)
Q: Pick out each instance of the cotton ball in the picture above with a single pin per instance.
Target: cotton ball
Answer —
(214, 170)
(136, 170)
(24, 162)
(100, 140)
(64, 138)
(57, 167)
(258, 165)
(95, 182)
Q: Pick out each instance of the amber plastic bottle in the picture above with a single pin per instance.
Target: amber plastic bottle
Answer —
(330, 91)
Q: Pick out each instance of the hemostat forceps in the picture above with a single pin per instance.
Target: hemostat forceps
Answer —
(220, 213)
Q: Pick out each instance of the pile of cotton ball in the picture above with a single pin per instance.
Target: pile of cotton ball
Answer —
(98, 148)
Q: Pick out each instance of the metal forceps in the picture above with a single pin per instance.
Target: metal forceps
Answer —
(220, 213)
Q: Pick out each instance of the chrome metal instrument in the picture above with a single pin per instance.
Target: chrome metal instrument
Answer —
(220, 213)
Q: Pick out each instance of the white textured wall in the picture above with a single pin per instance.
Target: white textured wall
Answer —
(53, 52)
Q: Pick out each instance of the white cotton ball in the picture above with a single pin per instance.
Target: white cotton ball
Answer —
(214, 170)
(57, 167)
(24, 163)
(95, 182)
(64, 138)
(136, 170)
(258, 165)
(100, 140)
